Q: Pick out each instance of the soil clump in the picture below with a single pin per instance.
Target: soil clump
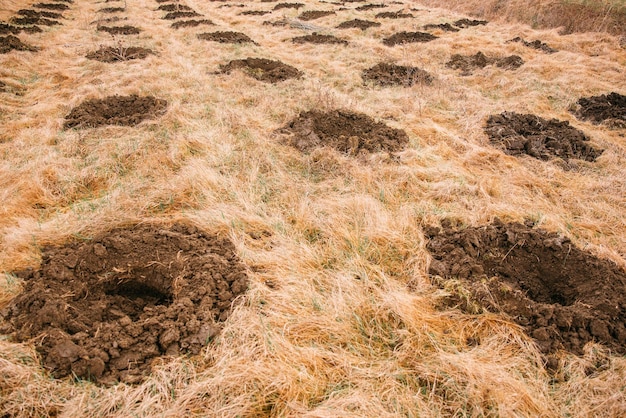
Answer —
(443, 26)
(115, 110)
(393, 15)
(358, 23)
(255, 13)
(468, 63)
(366, 7)
(518, 134)
(315, 14)
(408, 37)
(396, 75)
(105, 308)
(536, 44)
(6, 29)
(31, 20)
(51, 6)
(39, 13)
(226, 37)
(266, 70)
(563, 296)
(111, 10)
(10, 42)
(288, 6)
(316, 38)
(191, 23)
(117, 54)
(174, 8)
(180, 15)
(466, 23)
(120, 30)
(609, 109)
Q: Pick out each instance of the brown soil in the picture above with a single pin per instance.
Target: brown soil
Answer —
(349, 132)
(29, 20)
(468, 63)
(408, 37)
(10, 42)
(396, 75)
(288, 6)
(393, 15)
(315, 14)
(191, 23)
(263, 69)
(255, 13)
(180, 15)
(111, 10)
(358, 23)
(231, 5)
(9, 29)
(518, 134)
(607, 108)
(443, 26)
(175, 8)
(51, 6)
(226, 37)
(105, 308)
(115, 110)
(536, 44)
(120, 30)
(465, 23)
(316, 38)
(564, 297)
(370, 7)
(39, 13)
(111, 54)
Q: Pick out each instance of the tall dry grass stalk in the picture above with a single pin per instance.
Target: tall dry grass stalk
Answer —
(340, 318)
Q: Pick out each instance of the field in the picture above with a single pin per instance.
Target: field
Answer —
(312, 208)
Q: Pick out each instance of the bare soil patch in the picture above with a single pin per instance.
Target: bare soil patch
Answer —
(120, 30)
(105, 308)
(115, 110)
(191, 23)
(111, 10)
(536, 44)
(468, 63)
(255, 13)
(315, 14)
(609, 109)
(6, 29)
(51, 6)
(396, 75)
(466, 23)
(519, 134)
(180, 15)
(226, 37)
(359, 24)
(262, 69)
(288, 6)
(393, 15)
(120, 53)
(316, 38)
(408, 37)
(39, 13)
(174, 8)
(348, 132)
(10, 43)
(366, 7)
(443, 26)
(563, 296)
(31, 20)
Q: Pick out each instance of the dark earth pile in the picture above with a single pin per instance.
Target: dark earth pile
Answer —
(359, 24)
(315, 14)
(606, 108)
(9, 29)
(120, 53)
(254, 13)
(120, 30)
(536, 44)
(366, 7)
(288, 6)
(396, 75)
(39, 13)
(32, 20)
(9, 43)
(104, 308)
(191, 23)
(465, 23)
(262, 69)
(564, 297)
(316, 38)
(408, 37)
(518, 134)
(393, 15)
(468, 63)
(443, 26)
(180, 15)
(349, 132)
(111, 10)
(174, 8)
(51, 6)
(226, 37)
(115, 110)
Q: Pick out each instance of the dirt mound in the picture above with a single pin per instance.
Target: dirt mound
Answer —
(358, 23)
(120, 30)
(120, 53)
(9, 43)
(103, 309)
(180, 15)
(536, 44)
(175, 8)
(606, 108)
(28, 20)
(465, 23)
(115, 110)
(111, 10)
(468, 63)
(518, 134)
(9, 29)
(408, 37)
(254, 13)
(366, 7)
(393, 15)
(315, 14)
(51, 6)
(39, 13)
(316, 38)
(349, 132)
(564, 297)
(191, 23)
(396, 75)
(288, 6)
(227, 37)
(263, 69)
(443, 26)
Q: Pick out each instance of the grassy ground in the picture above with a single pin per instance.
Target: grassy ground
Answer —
(340, 318)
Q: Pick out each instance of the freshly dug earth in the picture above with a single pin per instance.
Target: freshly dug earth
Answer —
(111, 10)
(518, 134)
(316, 38)
(180, 15)
(115, 110)
(396, 75)
(288, 6)
(315, 14)
(51, 6)
(393, 15)
(111, 54)
(536, 44)
(9, 29)
(366, 7)
(564, 297)
(465, 23)
(9, 43)
(408, 37)
(39, 13)
(254, 13)
(606, 108)
(358, 23)
(120, 30)
(191, 23)
(174, 8)
(103, 309)
(263, 69)
(349, 132)
(32, 20)
(443, 26)
(468, 63)
(226, 37)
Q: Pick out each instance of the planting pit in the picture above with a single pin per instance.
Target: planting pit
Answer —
(408, 37)
(466, 23)
(316, 38)
(366, 7)
(346, 131)
(563, 296)
(180, 15)
(266, 70)
(536, 44)
(174, 8)
(609, 109)
(226, 37)
(518, 134)
(288, 6)
(111, 10)
(116, 54)
(191, 23)
(393, 15)
(254, 13)
(468, 63)
(359, 24)
(9, 29)
(10, 43)
(385, 74)
(315, 14)
(51, 6)
(39, 13)
(443, 26)
(105, 308)
(115, 110)
(32, 20)
(120, 30)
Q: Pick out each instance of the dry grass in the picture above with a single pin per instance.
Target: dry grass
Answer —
(340, 318)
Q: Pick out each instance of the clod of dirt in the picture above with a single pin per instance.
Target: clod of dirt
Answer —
(348, 132)
(254, 13)
(117, 54)
(51, 6)
(174, 8)
(103, 309)
(39, 13)
(226, 37)
(115, 110)
(396, 75)
(606, 108)
(288, 6)
(468, 63)
(9, 43)
(358, 23)
(366, 7)
(191, 23)
(9, 29)
(263, 69)
(393, 15)
(465, 23)
(563, 296)
(315, 14)
(33, 21)
(443, 26)
(180, 15)
(536, 44)
(316, 38)
(120, 30)
(408, 37)
(518, 134)
(111, 10)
